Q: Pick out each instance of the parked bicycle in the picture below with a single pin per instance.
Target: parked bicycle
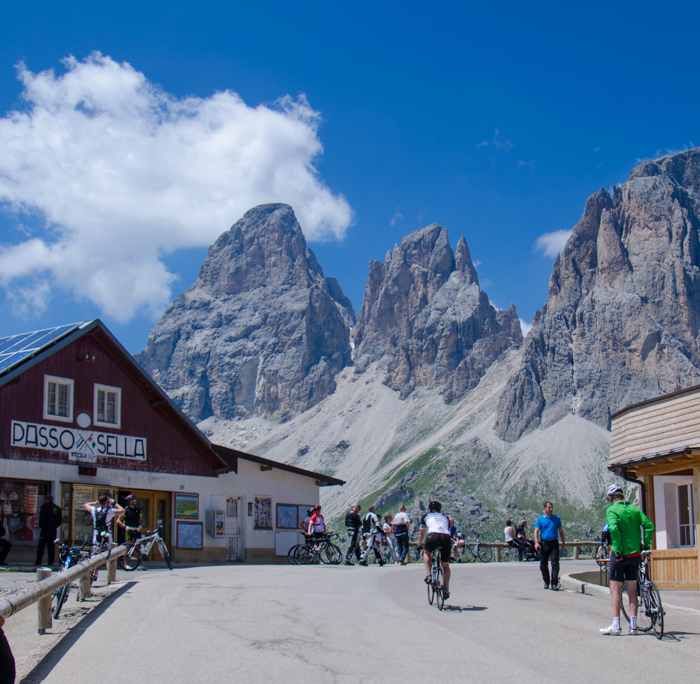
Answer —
(321, 550)
(476, 550)
(436, 582)
(142, 547)
(650, 613)
(70, 556)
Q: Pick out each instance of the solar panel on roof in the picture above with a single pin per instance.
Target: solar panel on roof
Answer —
(16, 348)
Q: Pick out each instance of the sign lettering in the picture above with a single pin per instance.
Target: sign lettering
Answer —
(82, 446)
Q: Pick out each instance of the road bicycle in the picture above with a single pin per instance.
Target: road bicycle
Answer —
(602, 554)
(70, 556)
(476, 550)
(650, 613)
(436, 581)
(321, 550)
(142, 547)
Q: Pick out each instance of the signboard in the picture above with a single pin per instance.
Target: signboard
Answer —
(186, 505)
(219, 519)
(189, 535)
(82, 446)
(263, 513)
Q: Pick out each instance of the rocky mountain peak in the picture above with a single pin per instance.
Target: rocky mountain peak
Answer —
(622, 318)
(261, 332)
(425, 320)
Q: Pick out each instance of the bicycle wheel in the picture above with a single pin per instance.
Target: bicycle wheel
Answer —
(602, 555)
(485, 554)
(59, 598)
(290, 554)
(132, 558)
(439, 596)
(166, 556)
(644, 623)
(331, 555)
(655, 610)
(431, 592)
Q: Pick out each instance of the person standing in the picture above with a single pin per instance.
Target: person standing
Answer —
(401, 523)
(372, 532)
(102, 512)
(546, 542)
(509, 534)
(5, 545)
(625, 522)
(132, 522)
(390, 537)
(353, 523)
(317, 525)
(49, 521)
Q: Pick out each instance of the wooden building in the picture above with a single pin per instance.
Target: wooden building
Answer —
(79, 418)
(657, 444)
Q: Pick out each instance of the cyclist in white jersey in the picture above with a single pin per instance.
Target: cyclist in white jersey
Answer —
(437, 527)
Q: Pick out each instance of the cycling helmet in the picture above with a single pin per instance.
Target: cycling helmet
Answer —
(612, 490)
(435, 506)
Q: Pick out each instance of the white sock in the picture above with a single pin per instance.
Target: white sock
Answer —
(633, 622)
(616, 622)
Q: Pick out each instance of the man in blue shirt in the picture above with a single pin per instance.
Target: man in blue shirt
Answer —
(547, 527)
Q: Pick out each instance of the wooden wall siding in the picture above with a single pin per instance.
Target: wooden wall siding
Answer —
(658, 427)
(170, 449)
(676, 569)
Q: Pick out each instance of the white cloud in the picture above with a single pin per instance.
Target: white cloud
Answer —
(525, 327)
(123, 172)
(552, 243)
(497, 142)
(398, 216)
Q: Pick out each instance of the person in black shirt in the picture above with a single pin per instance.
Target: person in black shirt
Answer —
(5, 545)
(49, 521)
(353, 522)
(7, 660)
(132, 522)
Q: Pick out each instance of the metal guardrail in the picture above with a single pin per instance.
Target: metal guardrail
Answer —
(499, 546)
(47, 584)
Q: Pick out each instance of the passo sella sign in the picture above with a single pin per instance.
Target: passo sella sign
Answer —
(81, 445)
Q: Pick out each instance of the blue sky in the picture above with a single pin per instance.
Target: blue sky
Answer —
(496, 122)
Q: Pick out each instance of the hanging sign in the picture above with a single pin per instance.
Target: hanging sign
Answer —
(82, 446)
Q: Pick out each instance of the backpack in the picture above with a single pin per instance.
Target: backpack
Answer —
(101, 520)
(350, 521)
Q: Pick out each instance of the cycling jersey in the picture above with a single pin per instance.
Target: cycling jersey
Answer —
(132, 516)
(625, 521)
(435, 523)
(319, 525)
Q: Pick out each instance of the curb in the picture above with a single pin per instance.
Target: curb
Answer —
(578, 587)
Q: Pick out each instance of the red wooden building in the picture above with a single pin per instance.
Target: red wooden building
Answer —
(79, 417)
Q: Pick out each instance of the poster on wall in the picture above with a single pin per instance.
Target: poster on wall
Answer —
(219, 524)
(186, 505)
(189, 535)
(231, 506)
(287, 516)
(262, 519)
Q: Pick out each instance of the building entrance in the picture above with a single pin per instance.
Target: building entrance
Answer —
(155, 511)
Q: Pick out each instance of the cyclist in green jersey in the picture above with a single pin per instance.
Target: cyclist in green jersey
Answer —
(625, 522)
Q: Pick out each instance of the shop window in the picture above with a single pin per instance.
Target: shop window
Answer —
(108, 404)
(58, 399)
(19, 506)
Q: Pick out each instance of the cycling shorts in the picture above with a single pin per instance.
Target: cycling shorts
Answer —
(133, 535)
(625, 569)
(436, 540)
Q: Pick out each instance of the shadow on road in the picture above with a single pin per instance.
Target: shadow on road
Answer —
(462, 609)
(678, 636)
(51, 659)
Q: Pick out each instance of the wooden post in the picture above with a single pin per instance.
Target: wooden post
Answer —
(84, 591)
(498, 554)
(576, 550)
(111, 571)
(43, 606)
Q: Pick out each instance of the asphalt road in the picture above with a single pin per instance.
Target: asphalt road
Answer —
(286, 624)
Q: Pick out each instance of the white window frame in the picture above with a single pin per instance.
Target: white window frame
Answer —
(117, 409)
(59, 381)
